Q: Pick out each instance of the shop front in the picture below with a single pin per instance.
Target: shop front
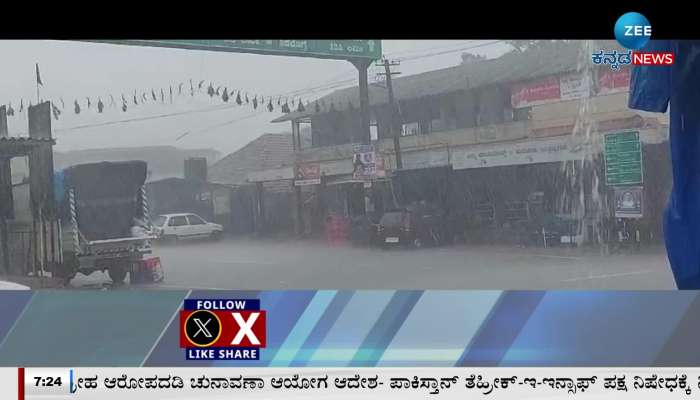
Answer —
(542, 190)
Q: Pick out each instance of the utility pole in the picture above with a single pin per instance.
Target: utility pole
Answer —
(362, 65)
(395, 133)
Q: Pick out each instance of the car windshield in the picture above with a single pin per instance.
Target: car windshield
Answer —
(159, 221)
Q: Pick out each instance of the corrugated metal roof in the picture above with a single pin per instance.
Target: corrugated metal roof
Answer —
(512, 67)
(17, 146)
(271, 150)
(26, 140)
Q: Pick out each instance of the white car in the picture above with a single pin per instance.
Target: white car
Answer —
(174, 227)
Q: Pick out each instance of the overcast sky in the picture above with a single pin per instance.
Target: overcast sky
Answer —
(75, 70)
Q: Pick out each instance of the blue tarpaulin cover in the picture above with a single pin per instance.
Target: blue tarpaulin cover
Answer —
(652, 88)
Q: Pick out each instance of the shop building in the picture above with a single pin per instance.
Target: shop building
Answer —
(495, 143)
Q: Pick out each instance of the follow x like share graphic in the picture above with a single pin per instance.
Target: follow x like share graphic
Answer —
(222, 329)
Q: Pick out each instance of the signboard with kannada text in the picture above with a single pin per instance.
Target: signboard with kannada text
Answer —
(623, 159)
(536, 92)
(333, 49)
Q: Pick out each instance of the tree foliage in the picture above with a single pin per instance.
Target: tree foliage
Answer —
(470, 57)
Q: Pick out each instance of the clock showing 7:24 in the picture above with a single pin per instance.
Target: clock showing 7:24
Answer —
(47, 381)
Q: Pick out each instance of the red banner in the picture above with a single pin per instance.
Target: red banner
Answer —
(610, 81)
(535, 92)
(307, 174)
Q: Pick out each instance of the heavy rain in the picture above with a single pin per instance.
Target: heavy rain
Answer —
(299, 164)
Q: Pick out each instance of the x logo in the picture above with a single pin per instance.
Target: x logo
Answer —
(202, 328)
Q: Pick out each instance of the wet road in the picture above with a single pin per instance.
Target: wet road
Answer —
(250, 264)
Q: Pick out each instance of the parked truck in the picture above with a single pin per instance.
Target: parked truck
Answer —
(104, 219)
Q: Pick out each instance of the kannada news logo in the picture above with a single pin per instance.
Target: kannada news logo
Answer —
(632, 31)
(222, 329)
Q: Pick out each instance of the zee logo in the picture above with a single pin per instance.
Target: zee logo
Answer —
(633, 30)
(225, 329)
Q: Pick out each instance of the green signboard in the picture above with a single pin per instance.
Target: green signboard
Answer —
(623, 159)
(335, 49)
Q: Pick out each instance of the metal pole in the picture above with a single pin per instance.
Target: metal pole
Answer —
(144, 206)
(395, 133)
(74, 222)
(362, 66)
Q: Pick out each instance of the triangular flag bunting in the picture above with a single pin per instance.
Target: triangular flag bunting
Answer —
(55, 110)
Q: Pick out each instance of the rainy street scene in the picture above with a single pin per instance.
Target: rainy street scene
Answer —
(329, 164)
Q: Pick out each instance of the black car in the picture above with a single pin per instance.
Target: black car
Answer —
(407, 227)
(552, 230)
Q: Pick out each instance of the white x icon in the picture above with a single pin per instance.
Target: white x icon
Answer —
(245, 328)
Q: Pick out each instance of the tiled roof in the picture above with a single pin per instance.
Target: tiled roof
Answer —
(271, 150)
(512, 67)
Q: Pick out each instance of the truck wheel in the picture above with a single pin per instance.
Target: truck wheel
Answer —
(117, 274)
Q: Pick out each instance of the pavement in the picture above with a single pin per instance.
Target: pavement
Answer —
(268, 265)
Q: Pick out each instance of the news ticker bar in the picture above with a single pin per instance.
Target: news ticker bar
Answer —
(342, 383)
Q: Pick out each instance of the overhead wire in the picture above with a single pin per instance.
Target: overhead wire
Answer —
(328, 85)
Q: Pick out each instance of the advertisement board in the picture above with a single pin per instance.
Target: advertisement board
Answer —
(628, 202)
(367, 163)
(307, 174)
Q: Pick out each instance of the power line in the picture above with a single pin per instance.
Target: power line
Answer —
(296, 93)
(432, 48)
(150, 117)
(450, 51)
(229, 122)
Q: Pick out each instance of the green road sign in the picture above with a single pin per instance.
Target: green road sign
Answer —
(623, 159)
(335, 49)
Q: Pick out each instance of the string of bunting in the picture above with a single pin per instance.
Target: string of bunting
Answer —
(141, 97)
